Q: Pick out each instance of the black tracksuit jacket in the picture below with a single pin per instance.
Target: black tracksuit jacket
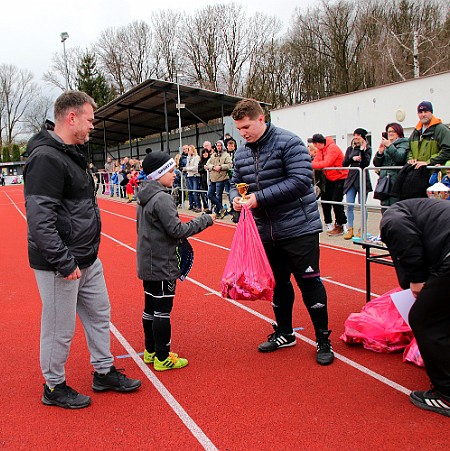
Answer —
(62, 213)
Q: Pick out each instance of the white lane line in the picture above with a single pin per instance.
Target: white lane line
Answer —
(16, 207)
(349, 287)
(342, 249)
(222, 224)
(173, 403)
(344, 359)
(168, 397)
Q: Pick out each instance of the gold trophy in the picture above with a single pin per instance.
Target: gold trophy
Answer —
(242, 189)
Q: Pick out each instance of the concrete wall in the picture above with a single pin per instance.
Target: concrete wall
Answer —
(371, 109)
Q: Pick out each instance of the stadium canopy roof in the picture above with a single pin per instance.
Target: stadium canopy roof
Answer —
(152, 107)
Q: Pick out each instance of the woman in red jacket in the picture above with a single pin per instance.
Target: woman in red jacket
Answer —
(330, 155)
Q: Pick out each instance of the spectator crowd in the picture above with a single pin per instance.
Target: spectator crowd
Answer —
(202, 177)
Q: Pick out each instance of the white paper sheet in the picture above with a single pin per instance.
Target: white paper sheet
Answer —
(403, 300)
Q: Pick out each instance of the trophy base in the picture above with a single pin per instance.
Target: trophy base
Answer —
(242, 201)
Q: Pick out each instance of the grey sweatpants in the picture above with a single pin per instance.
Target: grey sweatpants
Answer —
(62, 300)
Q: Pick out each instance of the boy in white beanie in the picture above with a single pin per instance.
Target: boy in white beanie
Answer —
(160, 232)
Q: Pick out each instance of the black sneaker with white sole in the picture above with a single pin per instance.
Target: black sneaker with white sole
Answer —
(277, 340)
(324, 354)
(64, 396)
(431, 400)
(114, 380)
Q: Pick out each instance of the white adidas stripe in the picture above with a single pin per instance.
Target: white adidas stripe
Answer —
(437, 403)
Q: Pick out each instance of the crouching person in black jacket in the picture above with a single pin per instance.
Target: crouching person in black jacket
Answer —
(417, 234)
(277, 167)
(63, 241)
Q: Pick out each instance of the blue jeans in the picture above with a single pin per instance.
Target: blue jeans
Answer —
(215, 192)
(350, 197)
(193, 183)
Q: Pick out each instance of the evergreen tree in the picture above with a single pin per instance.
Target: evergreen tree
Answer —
(91, 81)
(15, 152)
(6, 157)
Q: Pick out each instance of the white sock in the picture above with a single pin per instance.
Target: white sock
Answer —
(329, 226)
(345, 228)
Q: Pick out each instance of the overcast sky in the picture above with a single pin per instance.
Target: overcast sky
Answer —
(30, 29)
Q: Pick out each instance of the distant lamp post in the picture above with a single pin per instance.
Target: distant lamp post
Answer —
(179, 108)
(64, 37)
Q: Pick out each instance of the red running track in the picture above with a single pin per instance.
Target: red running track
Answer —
(229, 397)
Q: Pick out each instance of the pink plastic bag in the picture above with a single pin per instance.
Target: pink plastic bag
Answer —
(412, 354)
(379, 326)
(247, 275)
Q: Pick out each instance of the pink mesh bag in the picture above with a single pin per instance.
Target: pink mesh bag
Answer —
(247, 275)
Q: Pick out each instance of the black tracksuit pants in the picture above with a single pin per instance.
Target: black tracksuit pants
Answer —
(429, 318)
(334, 192)
(298, 257)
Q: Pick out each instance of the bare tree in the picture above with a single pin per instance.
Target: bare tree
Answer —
(36, 114)
(202, 46)
(265, 80)
(241, 38)
(415, 37)
(125, 54)
(60, 72)
(166, 24)
(17, 91)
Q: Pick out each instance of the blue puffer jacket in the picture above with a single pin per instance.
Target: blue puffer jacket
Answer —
(278, 170)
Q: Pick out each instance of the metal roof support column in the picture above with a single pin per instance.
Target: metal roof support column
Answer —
(223, 125)
(105, 146)
(197, 136)
(166, 123)
(161, 144)
(129, 133)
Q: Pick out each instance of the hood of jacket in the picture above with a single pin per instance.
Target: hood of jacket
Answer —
(329, 140)
(149, 189)
(50, 139)
(434, 121)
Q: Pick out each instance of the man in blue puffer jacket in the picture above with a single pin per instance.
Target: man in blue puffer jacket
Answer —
(277, 167)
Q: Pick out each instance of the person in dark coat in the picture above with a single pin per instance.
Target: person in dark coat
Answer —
(63, 241)
(358, 155)
(277, 167)
(160, 232)
(417, 234)
(393, 151)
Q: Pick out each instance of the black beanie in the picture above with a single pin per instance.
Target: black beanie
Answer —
(157, 163)
(318, 138)
(361, 132)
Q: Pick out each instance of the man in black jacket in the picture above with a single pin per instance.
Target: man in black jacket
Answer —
(277, 167)
(417, 234)
(63, 241)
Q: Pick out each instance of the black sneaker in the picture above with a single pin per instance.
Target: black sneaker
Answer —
(114, 380)
(277, 340)
(431, 400)
(325, 354)
(64, 396)
(221, 213)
